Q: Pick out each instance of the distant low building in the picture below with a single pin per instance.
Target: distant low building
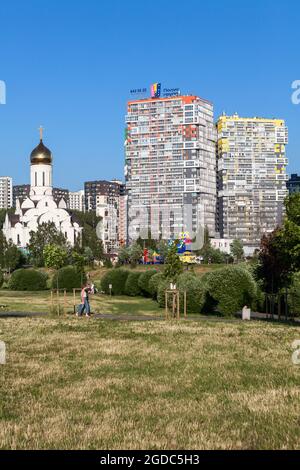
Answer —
(222, 244)
(293, 183)
(59, 194)
(77, 201)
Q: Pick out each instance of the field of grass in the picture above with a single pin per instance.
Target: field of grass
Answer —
(84, 383)
(41, 302)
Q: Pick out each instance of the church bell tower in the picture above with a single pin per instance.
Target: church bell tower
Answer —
(40, 171)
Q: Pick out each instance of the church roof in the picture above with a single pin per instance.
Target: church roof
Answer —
(75, 218)
(41, 155)
(13, 219)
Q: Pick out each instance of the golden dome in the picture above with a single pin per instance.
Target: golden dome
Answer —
(41, 155)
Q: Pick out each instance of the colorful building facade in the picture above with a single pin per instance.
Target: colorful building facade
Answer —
(170, 166)
(251, 154)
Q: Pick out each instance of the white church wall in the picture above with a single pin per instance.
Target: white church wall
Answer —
(46, 204)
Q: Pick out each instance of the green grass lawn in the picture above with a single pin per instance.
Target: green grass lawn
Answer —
(41, 302)
(84, 383)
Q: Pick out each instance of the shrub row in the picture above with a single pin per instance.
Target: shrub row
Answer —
(32, 280)
(117, 278)
(225, 290)
(27, 280)
(68, 278)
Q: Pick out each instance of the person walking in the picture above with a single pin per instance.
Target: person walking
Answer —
(85, 291)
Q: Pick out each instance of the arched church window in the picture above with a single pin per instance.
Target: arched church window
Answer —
(43, 178)
(35, 177)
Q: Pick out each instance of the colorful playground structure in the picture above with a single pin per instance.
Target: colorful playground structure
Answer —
(183, 249)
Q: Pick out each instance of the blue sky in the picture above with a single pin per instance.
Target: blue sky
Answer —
(70, 64)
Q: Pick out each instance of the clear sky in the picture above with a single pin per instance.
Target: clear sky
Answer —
(70, 64)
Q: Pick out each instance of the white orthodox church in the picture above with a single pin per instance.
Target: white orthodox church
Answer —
(40, 207)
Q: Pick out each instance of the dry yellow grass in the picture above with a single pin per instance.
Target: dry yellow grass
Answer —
(76, 383)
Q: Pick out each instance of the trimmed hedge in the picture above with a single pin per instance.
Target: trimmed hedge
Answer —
(229, 289)
(69, 278)
(144, 281)
(117, 277)
(28, 280)
(132, 287)
(195, 292)
(154, 282)
(162, 287)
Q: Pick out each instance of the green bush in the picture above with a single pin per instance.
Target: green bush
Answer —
(229, 289)
(132, 287)
(117, 277)
(154, 283)
(1, 278)
(161, 296)
(28, 280)
(195, 292)
(213, 254)
(144, 281)
(68, 278)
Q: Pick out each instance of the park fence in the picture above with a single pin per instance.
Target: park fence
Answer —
(283, 305)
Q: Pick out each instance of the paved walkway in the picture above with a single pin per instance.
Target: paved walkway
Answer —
(22, 314)
(198, 318)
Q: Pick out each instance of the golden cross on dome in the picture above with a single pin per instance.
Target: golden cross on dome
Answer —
(41, 129)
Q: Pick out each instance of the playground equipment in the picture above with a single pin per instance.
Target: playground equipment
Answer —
(174, 295)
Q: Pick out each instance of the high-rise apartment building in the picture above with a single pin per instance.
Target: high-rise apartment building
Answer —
(293, 183)
(170, 167)
(108, 200)
(6, 196)
(251, 177)
(77, 200)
